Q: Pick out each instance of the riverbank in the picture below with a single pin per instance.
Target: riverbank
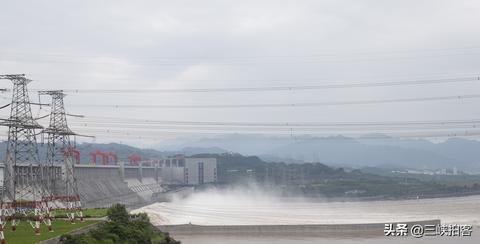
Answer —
(120, 227)
(25, 234)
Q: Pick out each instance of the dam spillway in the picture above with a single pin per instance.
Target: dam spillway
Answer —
(234, 209)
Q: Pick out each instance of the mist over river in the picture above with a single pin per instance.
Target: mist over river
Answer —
(254, 207)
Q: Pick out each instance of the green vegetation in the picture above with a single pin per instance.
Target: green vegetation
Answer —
(448, 180)
(87, 213)
(316, 179)
(391, 187)
(121, 228)
(25, 235)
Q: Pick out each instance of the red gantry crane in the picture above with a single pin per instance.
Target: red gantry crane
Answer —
(103, 157)
(112, 158)
(134, 159)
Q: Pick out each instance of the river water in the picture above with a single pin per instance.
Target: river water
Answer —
(238, 207)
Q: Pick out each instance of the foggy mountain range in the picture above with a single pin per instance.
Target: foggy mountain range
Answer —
(343, 151)
(334, 151)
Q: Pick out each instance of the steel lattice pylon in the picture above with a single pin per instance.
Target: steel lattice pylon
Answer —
(24, 185)
(63, 187)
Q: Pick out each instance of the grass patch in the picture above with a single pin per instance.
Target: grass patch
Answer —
(122, 228)
(158, 238)
(25, 235)
(87, 213)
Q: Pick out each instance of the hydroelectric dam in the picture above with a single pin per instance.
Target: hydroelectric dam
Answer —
(103, 185)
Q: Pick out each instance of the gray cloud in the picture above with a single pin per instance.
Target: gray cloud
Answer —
(185, 44)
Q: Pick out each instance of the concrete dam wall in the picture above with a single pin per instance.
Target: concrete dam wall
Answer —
(103, 185)
(317, 230)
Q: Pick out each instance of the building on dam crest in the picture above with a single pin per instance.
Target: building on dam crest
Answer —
(188, 170)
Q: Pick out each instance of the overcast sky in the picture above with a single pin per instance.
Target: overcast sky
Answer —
(223, 44)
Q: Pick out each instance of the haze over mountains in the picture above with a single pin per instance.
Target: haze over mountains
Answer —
(343, 151)
(380, 151)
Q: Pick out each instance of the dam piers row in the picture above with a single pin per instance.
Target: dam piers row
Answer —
(133, 185)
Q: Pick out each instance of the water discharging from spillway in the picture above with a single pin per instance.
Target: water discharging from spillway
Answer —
(252, 206)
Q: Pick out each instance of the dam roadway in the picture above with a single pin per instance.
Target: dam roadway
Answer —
(325, 230)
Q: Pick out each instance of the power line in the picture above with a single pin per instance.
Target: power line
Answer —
(307, 80)
(279, 105)
(239, 60)
(136, 121)
(282, 88)
(151, 128)
(137, 127)
(371, 135)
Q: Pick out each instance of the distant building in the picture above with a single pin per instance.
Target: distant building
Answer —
(200, 170)
(188, 170)
(452, 171)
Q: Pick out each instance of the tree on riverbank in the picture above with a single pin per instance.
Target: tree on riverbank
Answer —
(121, 228)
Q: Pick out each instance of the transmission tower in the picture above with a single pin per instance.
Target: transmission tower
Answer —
(23, 185)
(62, 185)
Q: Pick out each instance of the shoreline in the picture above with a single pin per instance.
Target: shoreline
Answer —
(384, 198)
